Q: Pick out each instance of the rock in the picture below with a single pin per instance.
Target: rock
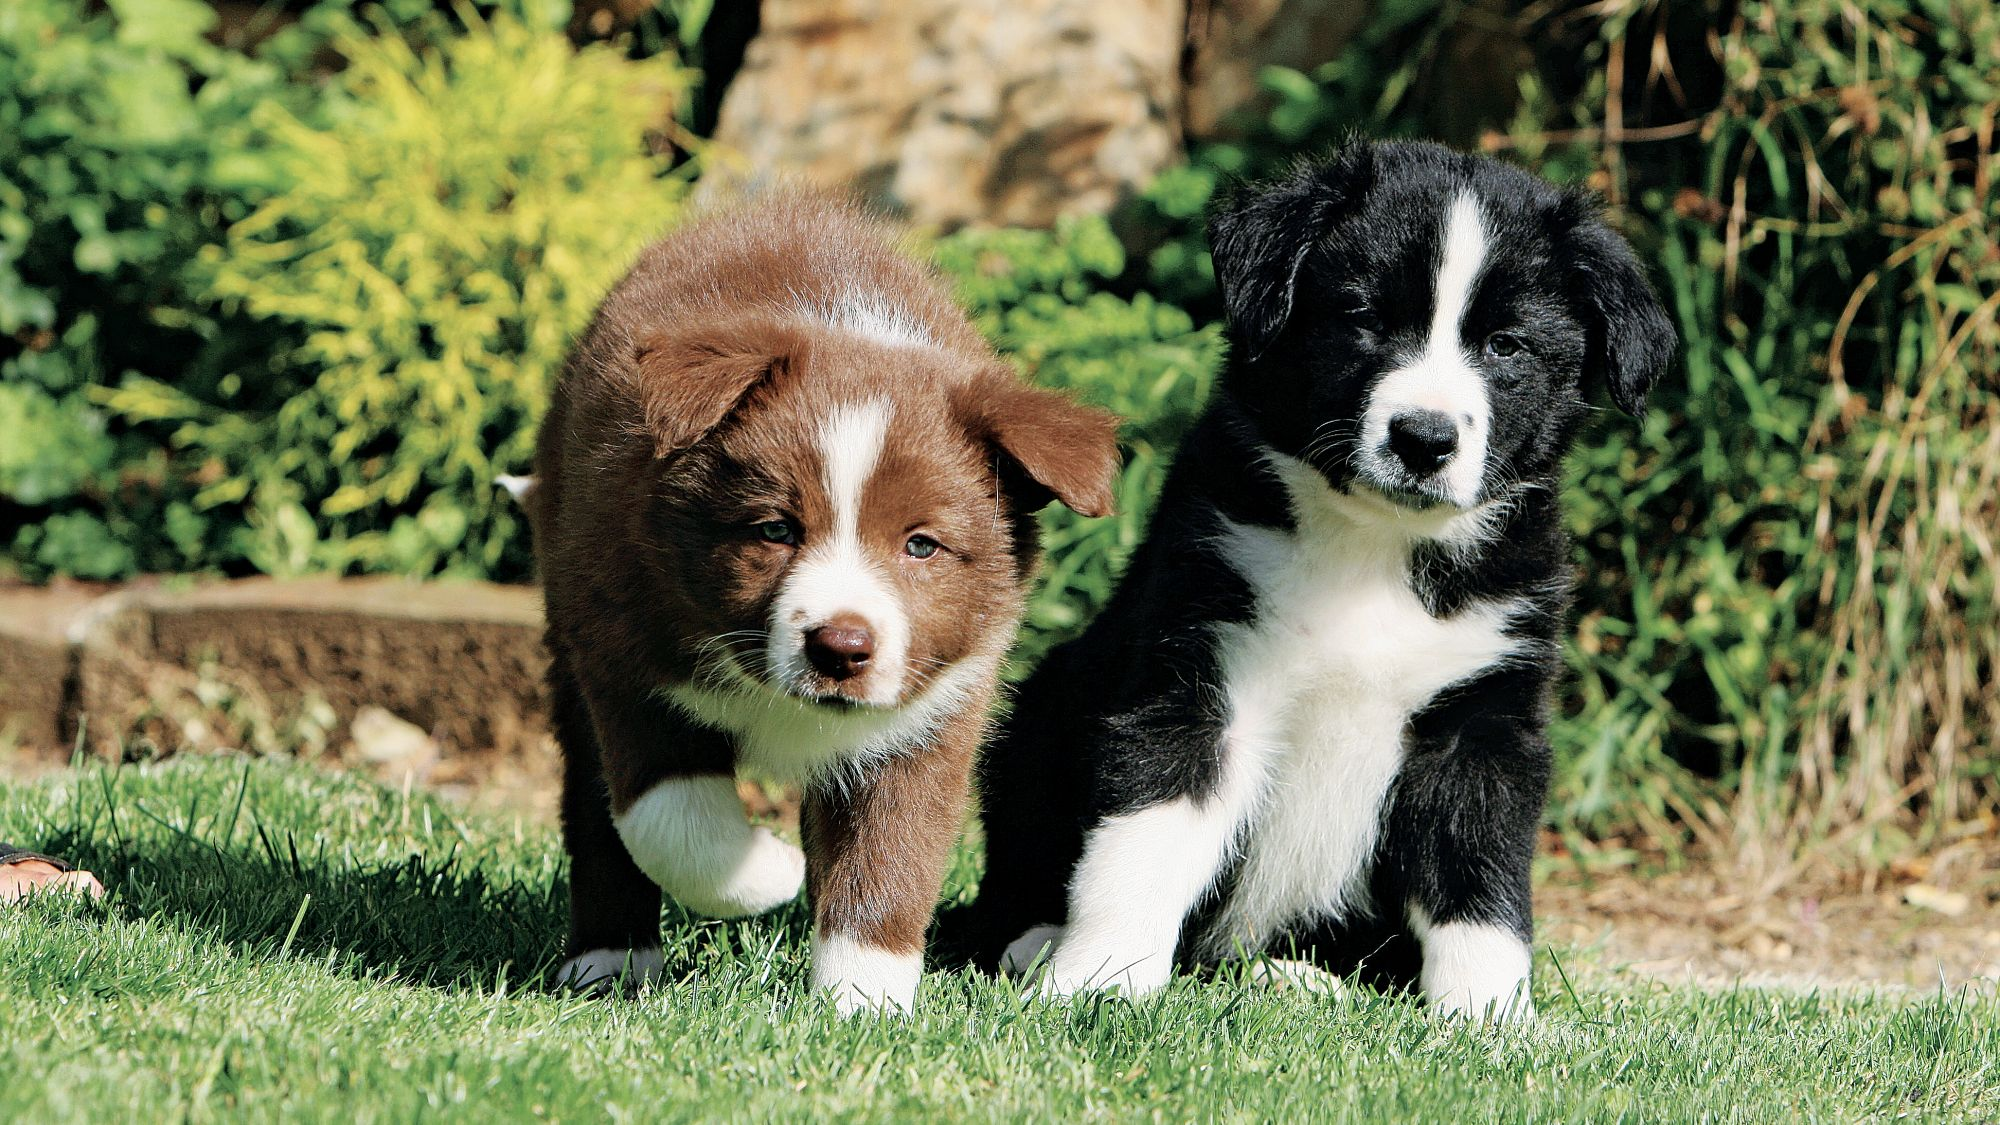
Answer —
(266, 664)
(1951, 904)
(949, 112)
(1230, 42)
(461, 659)
(394, 746)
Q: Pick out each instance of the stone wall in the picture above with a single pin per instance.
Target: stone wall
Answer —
(263, 664)
(959, 111)
(953, 112)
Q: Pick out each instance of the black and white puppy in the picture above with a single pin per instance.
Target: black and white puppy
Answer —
(1311, 721)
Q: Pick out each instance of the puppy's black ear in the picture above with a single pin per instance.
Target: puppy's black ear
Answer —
(1259, 236)
(1631, 339)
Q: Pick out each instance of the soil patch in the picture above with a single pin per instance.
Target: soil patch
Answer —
(1697, 927)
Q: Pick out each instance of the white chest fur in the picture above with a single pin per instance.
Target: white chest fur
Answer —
(785, 738)
(1320, 688)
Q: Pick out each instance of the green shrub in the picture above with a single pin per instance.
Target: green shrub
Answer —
(450, 221)
(1039, 296)
(1790, 631)
(123, 148)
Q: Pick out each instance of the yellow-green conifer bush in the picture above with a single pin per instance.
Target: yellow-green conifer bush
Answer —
(452, 216)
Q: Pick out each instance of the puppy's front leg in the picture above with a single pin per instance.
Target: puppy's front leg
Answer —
(1140, 874)
(876, 849)
(1460, 840)
(614, 929)
(690, 835)
(673, 802)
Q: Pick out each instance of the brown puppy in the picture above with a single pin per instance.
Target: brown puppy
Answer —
(785, 523)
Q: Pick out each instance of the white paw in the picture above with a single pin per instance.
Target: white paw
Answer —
(604, 970)
(1280, 974)
(1511, 1007)
(1475, 970)
(864, 978)
(1129, 975)
(1032, 945)
(767, 875)
(689, 836)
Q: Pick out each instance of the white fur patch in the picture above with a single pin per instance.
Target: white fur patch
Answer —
(786, 738)
(864, 977)
(870, 315)
(1320, 688)
(601, 970)
(1141, 872)
(689, 835)
(833, 576)
(1442, 377)
(519, 487)
(1473, 969)
(1280, 974)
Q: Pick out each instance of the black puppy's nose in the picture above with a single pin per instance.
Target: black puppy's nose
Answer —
(840, 648)
(1423, 440)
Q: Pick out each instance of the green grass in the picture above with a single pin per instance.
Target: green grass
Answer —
(285, 942)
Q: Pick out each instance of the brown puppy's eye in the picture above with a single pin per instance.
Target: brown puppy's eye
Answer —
(921, 547)
(778, 531)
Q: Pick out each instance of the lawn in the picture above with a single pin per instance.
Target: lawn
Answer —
(283, 941)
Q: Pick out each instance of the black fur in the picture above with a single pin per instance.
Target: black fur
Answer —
(1326, 275)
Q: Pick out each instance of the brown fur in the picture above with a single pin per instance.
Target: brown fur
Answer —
(687, 416)
(878, 849)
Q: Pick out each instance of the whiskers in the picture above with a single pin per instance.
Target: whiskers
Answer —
(736, 670)
(923, 672)
(735, 660)
(1331, 446)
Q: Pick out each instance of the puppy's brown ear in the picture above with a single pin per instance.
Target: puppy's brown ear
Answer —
(1068, 451)
(689, 383)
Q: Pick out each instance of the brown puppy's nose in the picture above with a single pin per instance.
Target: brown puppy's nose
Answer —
(840, 648)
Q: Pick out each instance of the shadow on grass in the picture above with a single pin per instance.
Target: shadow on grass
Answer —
(286, 886)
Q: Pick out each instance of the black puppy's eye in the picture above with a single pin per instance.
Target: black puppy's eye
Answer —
(1360, 314)
(777, 531)
(1500, 345)
(921, 547)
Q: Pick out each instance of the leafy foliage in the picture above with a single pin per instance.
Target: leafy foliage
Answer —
(448, 225)
(1039, 295)
(1790, 629)
(122, 150)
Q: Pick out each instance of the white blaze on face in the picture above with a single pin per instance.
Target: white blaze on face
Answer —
(833, 576)
(1442, 376)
